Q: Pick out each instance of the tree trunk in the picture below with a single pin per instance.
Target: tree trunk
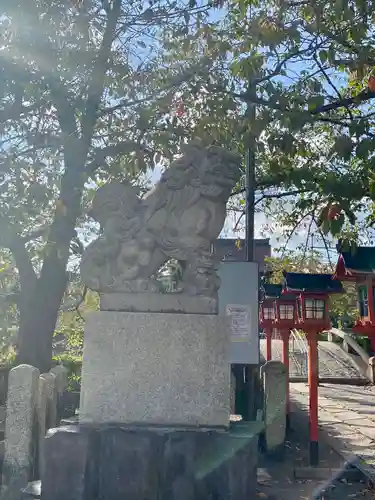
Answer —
(38, 317)
(39, 308)
(35, 337)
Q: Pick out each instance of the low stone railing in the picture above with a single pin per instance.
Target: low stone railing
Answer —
(368, 361)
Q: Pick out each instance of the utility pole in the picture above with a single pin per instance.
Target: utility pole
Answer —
(250, 176)
(251, 373)
(247, 375)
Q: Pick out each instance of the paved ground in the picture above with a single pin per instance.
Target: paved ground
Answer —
(277, 481)
(347, 415)
(333, 360)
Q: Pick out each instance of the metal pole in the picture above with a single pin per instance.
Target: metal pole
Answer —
(250, 179)
(285, 359)
(249, 371)
(313, 397)
(268, 332)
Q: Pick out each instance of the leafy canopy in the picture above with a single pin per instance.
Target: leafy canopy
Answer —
(308, 70)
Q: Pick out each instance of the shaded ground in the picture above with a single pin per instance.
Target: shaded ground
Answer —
(347, 417)
(277, 481)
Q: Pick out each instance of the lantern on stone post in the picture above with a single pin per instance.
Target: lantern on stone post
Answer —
(269, 293)
(285, 320)
(312, 292)
(359, 267)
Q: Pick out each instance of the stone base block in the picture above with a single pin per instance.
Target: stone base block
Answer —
(117, 463)
(155, 369)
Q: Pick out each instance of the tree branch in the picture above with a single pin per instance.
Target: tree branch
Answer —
(281, 63)
(281, 195)
(324, 242)
(185, 76)
(364, 96)
(307, 237)
(293, 230)
(14, 111)
(111, 151)
(76, 246)
(95, 90)
(238, 221)
(330, 82)
(74, 305)
(34, 235)
(16, 245)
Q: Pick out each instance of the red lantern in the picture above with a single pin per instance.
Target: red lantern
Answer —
(267, 313)
(285, 312)
(283, 318)
(269, 293)
(312, 292)
(359, 267)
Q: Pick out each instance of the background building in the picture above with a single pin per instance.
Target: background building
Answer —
(234, 250)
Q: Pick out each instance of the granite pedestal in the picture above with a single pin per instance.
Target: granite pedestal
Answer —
(155, 368)
(124, 462)
(154, 415)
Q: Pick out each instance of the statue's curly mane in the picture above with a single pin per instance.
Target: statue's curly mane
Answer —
(194, 174)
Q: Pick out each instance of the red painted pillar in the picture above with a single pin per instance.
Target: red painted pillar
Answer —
(268, 332)
(370, 299)
(285, 359)
(372, 341)
(312, 338)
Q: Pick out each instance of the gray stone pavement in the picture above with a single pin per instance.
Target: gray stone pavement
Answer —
(344, 432)
(346, 418)
(279, 481)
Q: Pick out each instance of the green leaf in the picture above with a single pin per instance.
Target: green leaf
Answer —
(331, 54)
(337, 224)
(351, 216)
(315, 102)
(148, 14)
(325, 227)
(365, 148)
(343, 146)
(323, 56)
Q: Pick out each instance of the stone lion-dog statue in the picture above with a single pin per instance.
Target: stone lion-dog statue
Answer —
(178, 219)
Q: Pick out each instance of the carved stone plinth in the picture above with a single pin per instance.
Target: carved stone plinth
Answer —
(155, 368)
(117, 463)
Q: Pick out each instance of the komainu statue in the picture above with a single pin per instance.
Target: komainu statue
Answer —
(178, 219)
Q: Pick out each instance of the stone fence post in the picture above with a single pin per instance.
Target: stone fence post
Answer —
(274, 380)
(61, 384)
(20, 424)
(371, 370)
(330, 337)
